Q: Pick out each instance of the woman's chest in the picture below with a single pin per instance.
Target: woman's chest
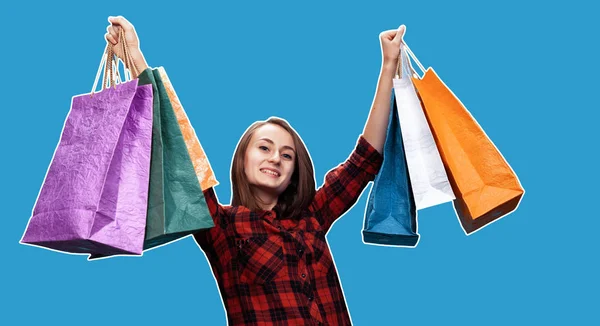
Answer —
(259, 250)
(304, 235)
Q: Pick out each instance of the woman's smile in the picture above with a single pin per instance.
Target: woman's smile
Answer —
(271, 173)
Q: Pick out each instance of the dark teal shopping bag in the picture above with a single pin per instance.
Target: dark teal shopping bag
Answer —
(391, 215)
(176, 207)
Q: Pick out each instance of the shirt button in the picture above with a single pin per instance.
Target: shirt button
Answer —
(300, 251)
(310, 298)
(303, 275)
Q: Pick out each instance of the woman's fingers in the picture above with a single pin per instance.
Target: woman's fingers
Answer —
(122, 22)
(393, 34)
(114, 34)
(399, 33)
(110, 38)
(387, 35)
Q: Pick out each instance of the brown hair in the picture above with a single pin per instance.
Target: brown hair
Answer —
(298, 194)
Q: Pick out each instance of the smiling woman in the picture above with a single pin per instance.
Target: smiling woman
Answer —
(268, 249)
(269, 158)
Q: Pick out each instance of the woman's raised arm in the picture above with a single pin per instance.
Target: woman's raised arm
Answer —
(376, 125)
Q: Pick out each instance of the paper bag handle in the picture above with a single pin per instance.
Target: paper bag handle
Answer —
(412, 55)
(129, 62)
(404, 66)
(111, 65)
(108, 68)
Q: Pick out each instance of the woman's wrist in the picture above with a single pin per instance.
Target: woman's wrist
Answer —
(139, 63)
(389, 64)
(388, 67)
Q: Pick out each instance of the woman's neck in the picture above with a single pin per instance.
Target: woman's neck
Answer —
(266, 201)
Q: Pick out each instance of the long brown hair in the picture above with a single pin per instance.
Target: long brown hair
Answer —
(297, 196)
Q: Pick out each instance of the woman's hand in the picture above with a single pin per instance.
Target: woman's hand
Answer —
(132, 41)
(390, 45)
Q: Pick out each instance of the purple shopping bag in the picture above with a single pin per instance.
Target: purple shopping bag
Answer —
(94, 196)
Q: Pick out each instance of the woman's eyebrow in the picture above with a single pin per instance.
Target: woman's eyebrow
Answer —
(271, 142)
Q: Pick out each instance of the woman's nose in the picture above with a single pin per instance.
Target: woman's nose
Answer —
(275, 157)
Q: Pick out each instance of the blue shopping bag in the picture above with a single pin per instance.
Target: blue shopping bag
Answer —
(391, 215)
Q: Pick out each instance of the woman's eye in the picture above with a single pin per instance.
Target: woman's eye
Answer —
(288, 156)
(264, 148)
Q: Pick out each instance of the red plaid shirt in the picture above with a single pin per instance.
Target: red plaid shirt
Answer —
(273, 270)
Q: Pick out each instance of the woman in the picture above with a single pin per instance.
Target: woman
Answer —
(268, 249)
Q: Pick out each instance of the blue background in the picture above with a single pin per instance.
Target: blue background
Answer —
(527, 72)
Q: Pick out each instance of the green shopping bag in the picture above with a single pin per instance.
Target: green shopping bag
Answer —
(176, 204)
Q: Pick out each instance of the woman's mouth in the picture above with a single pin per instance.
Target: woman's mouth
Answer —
(270, 173)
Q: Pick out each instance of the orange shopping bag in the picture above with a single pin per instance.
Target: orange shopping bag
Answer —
(485, 186)
(205, 174)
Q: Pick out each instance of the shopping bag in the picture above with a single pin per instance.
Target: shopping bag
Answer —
(95, 192)
(202, 167)
(391, 215)
(176, 207)
(485, 185)
(430, 184)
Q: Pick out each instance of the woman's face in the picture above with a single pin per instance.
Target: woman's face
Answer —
(269, 160)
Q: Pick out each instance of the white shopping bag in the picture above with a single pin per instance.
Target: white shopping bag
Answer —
(428, 177)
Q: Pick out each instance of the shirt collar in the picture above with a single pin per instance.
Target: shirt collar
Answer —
(269, 215)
